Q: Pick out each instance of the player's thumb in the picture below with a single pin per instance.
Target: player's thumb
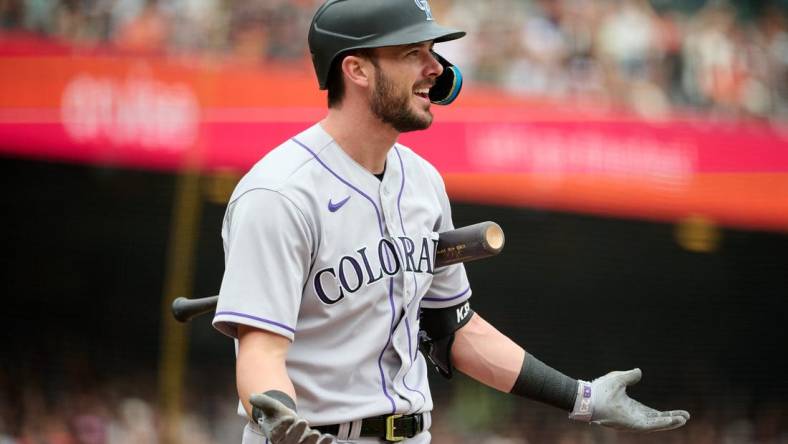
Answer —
(631, 376)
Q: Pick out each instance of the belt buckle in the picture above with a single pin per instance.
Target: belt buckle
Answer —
(390, 429)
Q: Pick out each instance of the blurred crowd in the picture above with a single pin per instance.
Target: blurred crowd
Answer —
(722, 58)
(119, 412)
(631, 52)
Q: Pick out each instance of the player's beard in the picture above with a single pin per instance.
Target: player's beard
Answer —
(395, 108)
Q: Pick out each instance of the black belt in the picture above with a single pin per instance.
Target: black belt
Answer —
(392, 428)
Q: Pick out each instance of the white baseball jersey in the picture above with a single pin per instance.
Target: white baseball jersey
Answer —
(319, 250)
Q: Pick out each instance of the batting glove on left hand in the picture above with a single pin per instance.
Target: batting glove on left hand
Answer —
(282, 425)
(604, 401)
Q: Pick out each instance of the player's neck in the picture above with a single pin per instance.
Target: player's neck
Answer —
(362, 136)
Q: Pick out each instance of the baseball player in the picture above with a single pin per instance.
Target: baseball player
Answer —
(330, 289)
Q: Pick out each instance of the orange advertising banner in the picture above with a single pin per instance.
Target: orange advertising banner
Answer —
(96, 107)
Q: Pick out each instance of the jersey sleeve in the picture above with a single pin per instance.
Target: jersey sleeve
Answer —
(267, 244)
(450, 284)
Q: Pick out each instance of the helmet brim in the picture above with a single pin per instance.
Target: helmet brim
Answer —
(422, 32)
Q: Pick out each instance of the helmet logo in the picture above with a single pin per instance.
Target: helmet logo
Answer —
(424, 6)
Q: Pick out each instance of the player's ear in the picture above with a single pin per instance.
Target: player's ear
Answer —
(358, 70)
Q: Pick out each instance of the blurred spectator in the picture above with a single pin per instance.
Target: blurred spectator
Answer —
(39, 15)
(538, 64)
(198, 26)
(89, 429)
(146, 32)
(136, 423)
(11, 14)
(250, 32)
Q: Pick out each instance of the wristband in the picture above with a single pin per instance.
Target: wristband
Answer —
(583, 409)
(542, 383)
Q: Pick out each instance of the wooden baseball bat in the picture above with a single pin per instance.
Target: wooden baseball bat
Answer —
(463, 244)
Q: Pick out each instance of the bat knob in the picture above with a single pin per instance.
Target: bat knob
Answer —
(180, 309)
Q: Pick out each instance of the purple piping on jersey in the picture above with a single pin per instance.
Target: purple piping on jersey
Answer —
(416, 291)
(377, 212)
(401, 188)
(402, 225)
(411, 354)
(388, 255)
(388, 259)
(267, 321)
(380, 227)
(393, 307)
(448, 298)
(380, 357)
(411, 351)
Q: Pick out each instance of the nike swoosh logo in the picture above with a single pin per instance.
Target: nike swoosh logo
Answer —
(333, 207)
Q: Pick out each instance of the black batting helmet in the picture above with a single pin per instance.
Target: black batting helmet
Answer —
(343, 25)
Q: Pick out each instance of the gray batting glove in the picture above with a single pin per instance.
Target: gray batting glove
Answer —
(281, 425)
(604, 401)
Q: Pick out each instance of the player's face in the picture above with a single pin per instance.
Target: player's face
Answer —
(403, 77)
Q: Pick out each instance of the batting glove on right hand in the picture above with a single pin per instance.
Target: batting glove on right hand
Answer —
(604, 401)
(282, 425)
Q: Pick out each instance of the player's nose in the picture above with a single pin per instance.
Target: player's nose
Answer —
(434, 67)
